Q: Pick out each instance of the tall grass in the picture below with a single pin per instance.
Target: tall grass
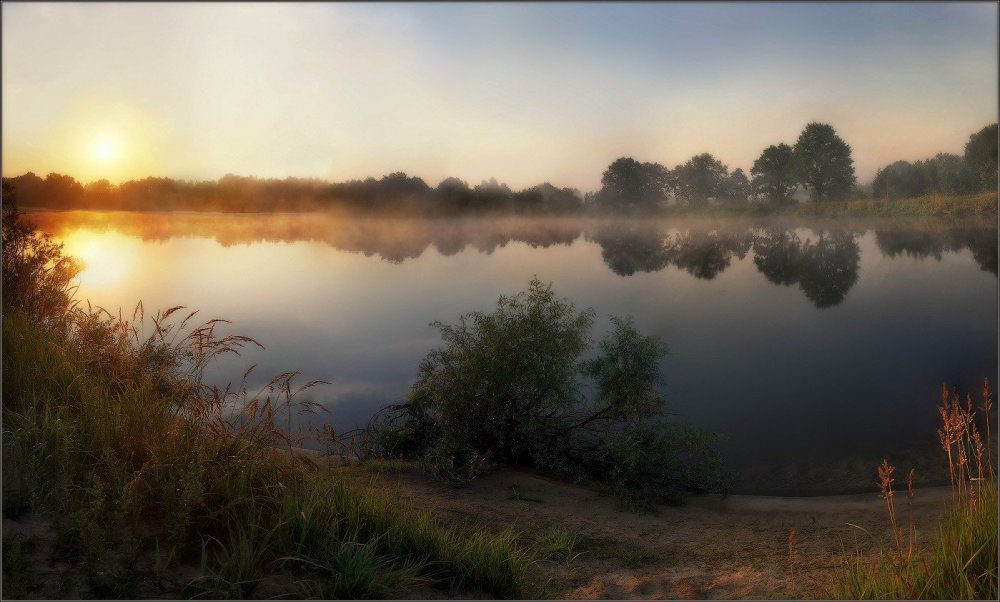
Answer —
(961, 563)
(933, 205)
(109, 430)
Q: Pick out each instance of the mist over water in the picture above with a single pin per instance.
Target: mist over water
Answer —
(815, 348)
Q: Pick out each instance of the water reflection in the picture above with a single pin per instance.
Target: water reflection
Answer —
(932, 241)
(349, 301)
(824, 269)
(822, 261)
(628, 248)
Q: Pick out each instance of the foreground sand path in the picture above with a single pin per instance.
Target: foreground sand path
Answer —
(710, 548)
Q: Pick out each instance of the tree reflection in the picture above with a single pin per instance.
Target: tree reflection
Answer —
(825, 270)
(776, 255)
(829, 268)
(924, 242)
(630, 248)
(702, 254)
(983, 244)
(824, 265)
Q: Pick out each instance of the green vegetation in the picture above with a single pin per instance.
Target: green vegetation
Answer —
(558, 544)
(961, 563)
(981, 156)
(156, 484)
(944, 174)
(507, 386)
(977, 205)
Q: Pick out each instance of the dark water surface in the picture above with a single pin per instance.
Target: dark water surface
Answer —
(816, 348)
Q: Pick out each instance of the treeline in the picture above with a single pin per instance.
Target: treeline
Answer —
(395, 193)
(944, 173)
(819, 163)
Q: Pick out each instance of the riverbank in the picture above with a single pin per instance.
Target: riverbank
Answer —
(710, 548)
(585, 547)
(979, 205)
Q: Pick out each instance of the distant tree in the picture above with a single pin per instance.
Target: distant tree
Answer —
(823, 163)
(622, 180)
(774, 177)
(30, 190)
(453, 194)
(981, 156)
(657, 184)
(547, 198)
(62, 191)
(561, 200)
(530, 200)
(896, 180)
(453, 186)
(493, 195)
(737, 189)
(100, 194)
(942, 174)
(950, 174)
(399, 184)
(701, 179)
(628, 184)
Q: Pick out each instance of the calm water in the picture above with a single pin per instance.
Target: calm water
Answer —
(814, 348)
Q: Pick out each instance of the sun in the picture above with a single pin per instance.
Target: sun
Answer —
(104, 149)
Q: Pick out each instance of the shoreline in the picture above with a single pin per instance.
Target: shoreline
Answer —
(710, 547)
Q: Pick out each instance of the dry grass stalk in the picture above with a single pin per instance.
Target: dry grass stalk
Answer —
(885, 481)
(961, 440)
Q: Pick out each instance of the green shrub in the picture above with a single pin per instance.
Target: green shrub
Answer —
(510, 386)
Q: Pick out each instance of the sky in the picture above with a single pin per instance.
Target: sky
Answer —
(525, 93)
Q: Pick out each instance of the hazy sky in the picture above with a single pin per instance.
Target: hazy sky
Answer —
(525, 93)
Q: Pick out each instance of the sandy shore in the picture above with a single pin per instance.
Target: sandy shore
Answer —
(710, 548)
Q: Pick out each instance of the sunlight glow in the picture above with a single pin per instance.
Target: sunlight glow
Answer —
(106, 257)
(105, 149)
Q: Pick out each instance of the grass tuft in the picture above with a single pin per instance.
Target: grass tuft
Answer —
(961, 563)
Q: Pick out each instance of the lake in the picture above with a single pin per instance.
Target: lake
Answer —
(815, 348)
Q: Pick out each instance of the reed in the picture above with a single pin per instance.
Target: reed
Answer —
(961, 563)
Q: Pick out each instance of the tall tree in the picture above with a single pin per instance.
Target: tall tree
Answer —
(737, 187)
(981, 156)
(703, 177)
(629, 184)
(774, 177)
(823, 162)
